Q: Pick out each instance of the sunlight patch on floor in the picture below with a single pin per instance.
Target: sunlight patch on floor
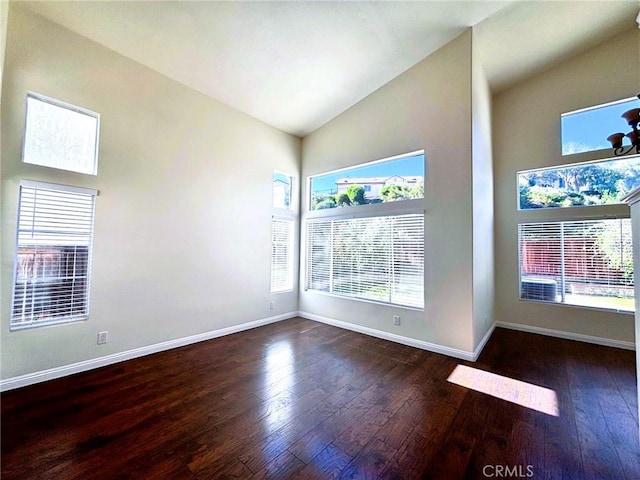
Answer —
(525, 394)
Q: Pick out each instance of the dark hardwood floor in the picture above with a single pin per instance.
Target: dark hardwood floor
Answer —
(303, 400)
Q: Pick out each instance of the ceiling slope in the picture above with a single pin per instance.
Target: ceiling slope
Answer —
(296, 65)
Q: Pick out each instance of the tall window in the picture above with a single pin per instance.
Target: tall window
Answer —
(53, 254)
(282, 234)
(373, 247)
(281, 255)
(584, 257)
(587, 263)
(60, 135)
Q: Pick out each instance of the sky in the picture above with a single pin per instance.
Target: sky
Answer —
(587, 130)
(406, 166)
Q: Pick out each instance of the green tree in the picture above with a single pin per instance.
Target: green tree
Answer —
(356, 194)
(342, 199)
(614, 241)
(328, 202)
(417, 191)
(391, 193)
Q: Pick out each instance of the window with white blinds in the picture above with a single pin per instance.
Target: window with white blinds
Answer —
(281, 255)
(52, 266)
(587, 263)
(371, 258)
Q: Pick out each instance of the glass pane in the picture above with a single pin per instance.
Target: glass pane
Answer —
(60, 137)
(377, 182)
(51, 282)
(281, 255)
(281, 190)
(587, 130)
(585, 263)
(373, 258)
(600, 183)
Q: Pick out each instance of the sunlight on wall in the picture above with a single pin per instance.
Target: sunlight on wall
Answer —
(522, 393)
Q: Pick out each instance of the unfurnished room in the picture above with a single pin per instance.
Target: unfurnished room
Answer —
(319, 239)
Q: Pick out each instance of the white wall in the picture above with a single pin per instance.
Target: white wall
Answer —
(182, 228)
(4, 14)
(526, 128)
(428, 107)
(632, 199)
(483, 223)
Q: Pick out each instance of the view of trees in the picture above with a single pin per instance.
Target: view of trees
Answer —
(375, 258)
(355, 195)
(593, 184)
(615, 243)
(591, 260)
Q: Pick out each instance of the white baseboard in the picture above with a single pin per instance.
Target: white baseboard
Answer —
(607, 342)
(484, 341)
(412, 342)
(57, 372)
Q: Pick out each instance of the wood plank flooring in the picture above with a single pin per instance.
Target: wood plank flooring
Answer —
(303, 400)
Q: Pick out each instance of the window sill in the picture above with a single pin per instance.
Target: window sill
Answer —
(45, 323)
(365, 300)
(586, 307)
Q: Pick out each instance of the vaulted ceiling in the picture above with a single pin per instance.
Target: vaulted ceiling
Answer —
(296, 65)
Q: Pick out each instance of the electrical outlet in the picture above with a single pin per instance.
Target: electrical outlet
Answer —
(396, 320)
(103, 337)
(272, 305)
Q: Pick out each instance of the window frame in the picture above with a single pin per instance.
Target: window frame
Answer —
(407, 207)
(290, 192)
(595, 153)
(289, 284)
(582, 164)
(611, 211)
(45, 186)
(309, 196)
(287, 214)
(557, 224)
(72, 108)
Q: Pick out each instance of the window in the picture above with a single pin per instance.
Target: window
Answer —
(587, 263)
(281, 190)
(378, 258)
(596, 183)
(60, 135)
(282, 238)
(587, 130)
(574, 260)
(53, 255)
(281, 255)
(389, 180)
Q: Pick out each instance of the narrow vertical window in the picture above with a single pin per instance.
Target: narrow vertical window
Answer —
(281, 255)
(281, 190)
(53, 254)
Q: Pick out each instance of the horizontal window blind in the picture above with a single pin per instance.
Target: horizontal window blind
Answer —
(281, 255)
(55, 232)
(373, 258)
(587, 263)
